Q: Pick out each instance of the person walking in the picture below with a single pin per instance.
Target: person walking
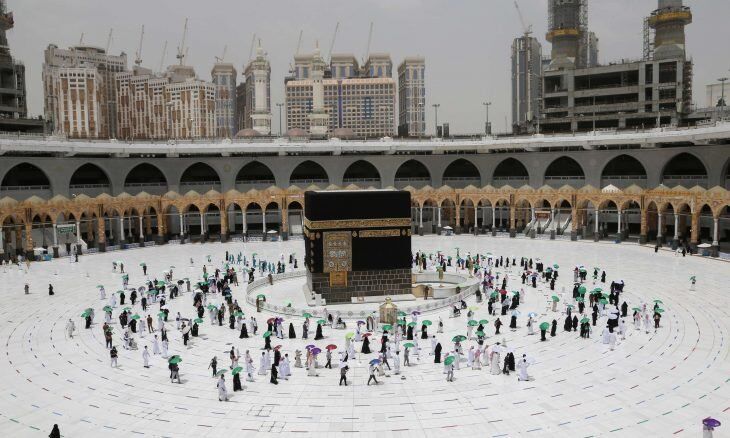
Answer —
(113, 354)
(214, 365)
(371, 370)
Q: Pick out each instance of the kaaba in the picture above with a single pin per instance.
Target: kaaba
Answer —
(358, 243)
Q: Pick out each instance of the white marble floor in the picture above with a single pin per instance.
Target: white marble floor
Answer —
(656, 384)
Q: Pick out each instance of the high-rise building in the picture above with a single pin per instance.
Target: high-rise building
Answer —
(257, 94)
(78, 95)
(412, 97)
(341, 98)
(174, 105)
(527, 64)
(647, 93)
(241, 106)
(591, 48)
(224, 79)
(66, 63)
(12, 73)
(142, 112)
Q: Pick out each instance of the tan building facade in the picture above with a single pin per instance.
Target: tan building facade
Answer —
(60, 62)
(78, 100)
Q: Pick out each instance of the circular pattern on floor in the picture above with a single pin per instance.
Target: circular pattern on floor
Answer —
(657, 384)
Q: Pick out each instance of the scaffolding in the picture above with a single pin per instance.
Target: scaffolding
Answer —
(648, 40)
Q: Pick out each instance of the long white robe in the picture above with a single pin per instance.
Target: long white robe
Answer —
(222, 392)
(605, 336)
(262, 365)
(155, 346)
(284, 369)
(612, 340)
(470, 357)
(164, 349)
(495, 369)
(522, 366)
(146, 357)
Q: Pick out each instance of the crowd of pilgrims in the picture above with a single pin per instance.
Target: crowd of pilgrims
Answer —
(398, 342)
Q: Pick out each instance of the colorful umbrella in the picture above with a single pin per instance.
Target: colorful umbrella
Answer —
(555, 298)
(483, 322)
(267, 334)
(544, 326)
(175, 359)
(161, 314)
(331, 347)
(220, 373)
(426, 322)
(387, 327)
(580, 300)
(584, 320)
(135, 316)
(458, 338)
(401, 313)
(107, 308)
(236, 370)
(480, 333)
(412, 324)
(315, 351)
(350, 335)
(473, 308)
(449, 360)
(375, 362)
(143, 264)
(198, 321)
(472, 323)
(408, 345)
(85, 314)
(307, 315)
(310, 346)
(260, 297)
(321, 322)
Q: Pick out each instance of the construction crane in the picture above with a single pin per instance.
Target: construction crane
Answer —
(370, 39)
(109, 40)
(162, 58)
(527, 30)
(332, 44)
(181, 51)
(81, 40)
(299, 42)
(138, 55)
(222, 57)
(250, 50)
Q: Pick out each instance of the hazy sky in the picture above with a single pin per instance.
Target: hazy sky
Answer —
(466, 42)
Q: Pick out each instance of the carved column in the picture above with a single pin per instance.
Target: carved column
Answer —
(642, 232)
(695, 233)
(284, 223)
(512, 219)
(224, 222)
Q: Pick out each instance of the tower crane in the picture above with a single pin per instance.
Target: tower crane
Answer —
(527, 30)
(138, 55)
(332, 44)
(370, 39)
(222, 57)
(162, 58)
(250, 50)
(181, 52)
(109, 40)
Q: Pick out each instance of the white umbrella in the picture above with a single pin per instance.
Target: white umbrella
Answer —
(271, 232)
(448, 228)
(704, 245)
(613, 316)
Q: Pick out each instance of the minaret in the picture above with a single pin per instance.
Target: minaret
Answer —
(261, 115)
(668, 22)
(318, 118)
(564, 32)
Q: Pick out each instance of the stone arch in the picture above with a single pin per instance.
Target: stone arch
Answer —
(90, 180)
(684, 169)
(622, 171)
(362, 173)
(510, 171)
(26, 178)
(564, 170)
(461, 173)
(254, 174)
(145, 177)
(200, 177)
(308, 172)
(412, 173)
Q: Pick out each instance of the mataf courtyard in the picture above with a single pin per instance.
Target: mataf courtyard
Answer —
(655, 382)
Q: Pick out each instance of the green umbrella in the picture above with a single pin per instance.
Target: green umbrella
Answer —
(85, 314)
(107, 308)
(544, 326)
(473, 308)
(582, 270)
(555, 298)
(472, 323)
(582, 289)
(483, 322)
(350, 335)
(143, 264)
(198, 321)
(175, 359)
(212, 307)
(99, 285)
(267, 334)
(408, 345)
(161, 314)
(449, 360)
(126, 309)
(603, 301)
(584, 320)
(239, 313)
(321, 322)
(220, 373)
(401, 322)
(426, 322)
(556, 266)
(260, 297)
(411, 324)
(401, 313)
(580, 300)
(598, 289)
(387, 327)
(658, 302)
(120, 291)
(307, 315)
(135, 316)
(636, 309)
(458, 338)
(659, 310)
(693, 278)
(480, 333)
(236, 370)
(494, 295)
